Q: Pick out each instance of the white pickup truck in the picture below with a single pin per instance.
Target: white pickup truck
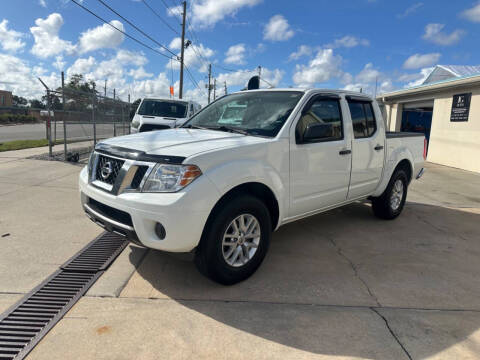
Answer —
(219, 187)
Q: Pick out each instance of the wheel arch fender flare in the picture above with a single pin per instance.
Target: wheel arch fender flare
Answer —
(253, 177)
(401, 157)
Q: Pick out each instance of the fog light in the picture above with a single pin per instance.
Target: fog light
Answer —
(160, 231)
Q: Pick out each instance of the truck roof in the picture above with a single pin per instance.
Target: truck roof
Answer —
(317, 90)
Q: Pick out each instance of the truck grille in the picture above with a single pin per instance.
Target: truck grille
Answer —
(107, 169)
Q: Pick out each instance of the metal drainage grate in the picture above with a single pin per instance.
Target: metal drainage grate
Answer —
(97, 255)
(28, 321)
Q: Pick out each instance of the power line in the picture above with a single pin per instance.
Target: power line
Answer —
(171, 9)
(137, 28)
(123, 32)
(192, 78)
(162, 19)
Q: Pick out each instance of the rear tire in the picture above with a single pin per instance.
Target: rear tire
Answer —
(235, 240)
(390, 204)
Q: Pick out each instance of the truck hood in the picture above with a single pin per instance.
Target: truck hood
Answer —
(181, 142)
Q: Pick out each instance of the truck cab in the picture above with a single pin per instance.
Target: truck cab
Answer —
(158, 114)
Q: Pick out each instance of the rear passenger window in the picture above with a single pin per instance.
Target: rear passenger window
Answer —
(363, 119)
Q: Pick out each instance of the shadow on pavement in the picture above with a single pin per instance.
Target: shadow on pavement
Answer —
(322, 275)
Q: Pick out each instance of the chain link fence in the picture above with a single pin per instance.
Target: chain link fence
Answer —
(73, 116)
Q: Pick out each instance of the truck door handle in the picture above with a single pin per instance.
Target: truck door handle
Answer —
(345, 152)
(378, 147)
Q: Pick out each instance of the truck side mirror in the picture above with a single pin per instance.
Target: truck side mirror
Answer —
(317, 132)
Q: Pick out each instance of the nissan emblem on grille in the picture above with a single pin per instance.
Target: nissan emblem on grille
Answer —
(106, 170)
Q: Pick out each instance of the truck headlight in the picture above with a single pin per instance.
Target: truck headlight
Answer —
(135, 124)
(170, 178)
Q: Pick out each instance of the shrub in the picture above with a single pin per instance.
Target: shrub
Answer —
(6, 119)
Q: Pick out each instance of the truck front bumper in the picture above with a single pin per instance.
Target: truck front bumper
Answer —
(137, 215)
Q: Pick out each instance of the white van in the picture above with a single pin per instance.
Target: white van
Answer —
(159, 114)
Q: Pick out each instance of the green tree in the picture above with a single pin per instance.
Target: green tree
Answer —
(78, 93)
(36, 104)
(55, 103)
(19, 101)
(78, 83)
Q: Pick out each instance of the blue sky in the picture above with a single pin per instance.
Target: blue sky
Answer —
(335, 44)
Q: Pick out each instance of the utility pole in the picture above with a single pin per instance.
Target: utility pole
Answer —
(214, 89)
(259, 74)
(225, 84)
(105, 89)
(180, 93)
(209, 81)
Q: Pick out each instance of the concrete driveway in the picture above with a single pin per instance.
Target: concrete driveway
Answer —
(338, 285)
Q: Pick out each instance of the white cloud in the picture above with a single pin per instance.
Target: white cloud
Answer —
(198, 94)
(10, 40)
(241, 77)
(472, 14)
(416, 79)
(126, 57)
(82, 66)
(370, 80)
(277, 29)
(434, 33)
(176, 44)
(159, 87)
(206, 13)
(418, 61)
(42, 3)
(348, 42)
(303, 50)
(322, 68)
(21, 79)
(368, 74)
(59, 63)
(139, 73)
(235, 55)
(194, 55)
(101, 37)
(47, 42)
(119, 70)
(410, 10)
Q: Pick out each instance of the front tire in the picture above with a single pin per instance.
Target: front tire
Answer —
(390, 204)
(235, 241)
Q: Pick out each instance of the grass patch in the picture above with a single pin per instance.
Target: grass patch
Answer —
(24, 144)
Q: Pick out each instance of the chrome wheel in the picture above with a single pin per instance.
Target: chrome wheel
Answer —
(397, 195)
(241, 239)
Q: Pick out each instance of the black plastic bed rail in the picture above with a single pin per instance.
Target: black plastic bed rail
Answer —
(30, 319)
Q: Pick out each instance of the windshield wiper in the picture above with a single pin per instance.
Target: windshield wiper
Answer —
(189, 126)
(230, 129)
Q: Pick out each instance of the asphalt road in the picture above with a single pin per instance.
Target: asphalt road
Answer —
(74, 131)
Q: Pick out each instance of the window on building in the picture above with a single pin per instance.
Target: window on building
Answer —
(2, 100)
(363, 119)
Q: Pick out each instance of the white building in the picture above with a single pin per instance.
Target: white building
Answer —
(446, 107)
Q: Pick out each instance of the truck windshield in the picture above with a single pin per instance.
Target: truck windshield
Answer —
(163, 108)
(255, 113)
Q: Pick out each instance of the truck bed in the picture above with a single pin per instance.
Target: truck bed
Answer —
(401, 134)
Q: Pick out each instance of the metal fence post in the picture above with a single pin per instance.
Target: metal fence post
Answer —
(114, 115)
(49, 126)
(123, 119)
(128, 116)
(63, 120)
(93, 119)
